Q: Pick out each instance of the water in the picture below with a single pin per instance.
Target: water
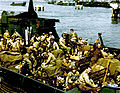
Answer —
(87, 22)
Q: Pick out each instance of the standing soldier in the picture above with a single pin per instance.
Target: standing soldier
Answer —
(73, 37)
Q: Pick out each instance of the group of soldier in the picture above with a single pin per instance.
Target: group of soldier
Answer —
(11, 43)
(54, 63)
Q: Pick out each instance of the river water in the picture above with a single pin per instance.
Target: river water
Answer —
(87, 23)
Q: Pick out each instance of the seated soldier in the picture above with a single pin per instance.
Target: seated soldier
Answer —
(85, 80)
(6, 34)
(26, 59)
(51, 36)
(48, 58)
(66, 63)
(82, 42)
(62, 44)
(71, 79)
(73, 36)
(2, 47)
(9, 43)
(52, 45)
(16, 45)
(16, 34)
(96, 53)
(33, 39)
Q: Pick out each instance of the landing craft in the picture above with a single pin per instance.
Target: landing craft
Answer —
(18, 4)
(27, 19)
(21, 22)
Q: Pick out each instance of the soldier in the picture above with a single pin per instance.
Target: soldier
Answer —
(66, 37)
(84, 79)
(32, 40)
(62, 43)
(1, 44)
(52, 45)
(16, 45)
(73, 37)
(9, 43)
(26, 59)
(96, 53)
(51, 36)
(71, 79)
(66, 62)
(6, 34)
(16, 34)
(48, 58)
(33, 63)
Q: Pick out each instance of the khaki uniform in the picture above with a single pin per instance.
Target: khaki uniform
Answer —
(73, 36)
(1, 46)
(27, 60)
(16, 34)
(35, 44)
(6, 34)
(63, 45)
(32, 40)
(9, 43)
(62, 42)
(53, 46)
(16, 46)
(50, 59)
(84, 79)
(71, 79)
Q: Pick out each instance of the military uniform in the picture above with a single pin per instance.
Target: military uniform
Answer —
(52, 45)
(6, 34)
(9, 43)
(62, 44)
(16, 46)
(1, 45)
(84, 79)
(48, 58)
(73, 36)
(71, 79)
(16, 34)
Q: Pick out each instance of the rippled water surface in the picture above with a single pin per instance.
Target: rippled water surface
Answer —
(87, 22)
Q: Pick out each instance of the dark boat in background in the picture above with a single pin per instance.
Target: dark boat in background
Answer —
(18, 4)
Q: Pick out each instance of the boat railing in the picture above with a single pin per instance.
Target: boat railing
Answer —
(22, 83)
